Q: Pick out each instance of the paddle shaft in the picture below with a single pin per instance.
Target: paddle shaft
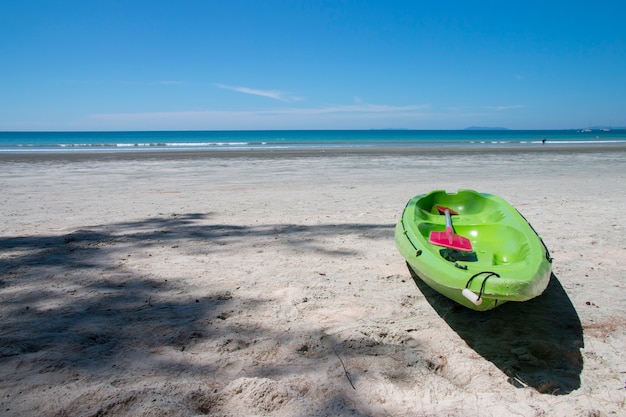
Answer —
(448, 222)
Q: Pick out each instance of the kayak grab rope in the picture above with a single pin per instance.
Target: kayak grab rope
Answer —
(469, 294)
(548, 257)
(418, 252)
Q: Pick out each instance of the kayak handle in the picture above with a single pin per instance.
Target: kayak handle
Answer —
(473, 297)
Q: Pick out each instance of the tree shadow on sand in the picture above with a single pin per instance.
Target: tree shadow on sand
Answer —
(72, 294)
(73, 312)
(536, 343)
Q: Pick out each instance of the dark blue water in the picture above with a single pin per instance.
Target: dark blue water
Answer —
(11, 142)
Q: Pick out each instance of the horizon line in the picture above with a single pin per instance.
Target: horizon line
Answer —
(469, 128)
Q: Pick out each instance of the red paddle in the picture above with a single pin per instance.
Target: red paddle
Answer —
(449, 239)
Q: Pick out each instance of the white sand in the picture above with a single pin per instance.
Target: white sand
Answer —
(271, 286)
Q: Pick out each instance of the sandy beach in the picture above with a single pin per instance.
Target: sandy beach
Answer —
(268, 284)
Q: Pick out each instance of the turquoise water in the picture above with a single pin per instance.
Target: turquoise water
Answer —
(23, 142)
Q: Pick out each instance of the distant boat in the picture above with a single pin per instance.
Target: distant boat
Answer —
(586, 130)
(606, 129)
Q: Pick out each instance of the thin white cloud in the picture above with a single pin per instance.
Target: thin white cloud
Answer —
(357, 108)
(483, 109)
(345, 116)
(345, 109)
(503, 108)
(169, 82)
(276, 95)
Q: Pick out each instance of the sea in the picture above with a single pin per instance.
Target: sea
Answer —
(137, 141)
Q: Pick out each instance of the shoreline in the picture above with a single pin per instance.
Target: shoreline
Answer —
(434, 150)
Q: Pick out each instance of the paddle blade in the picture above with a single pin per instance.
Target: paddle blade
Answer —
(449, 239)
(442, 209)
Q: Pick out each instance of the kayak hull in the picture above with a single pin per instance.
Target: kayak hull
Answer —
(508, 261)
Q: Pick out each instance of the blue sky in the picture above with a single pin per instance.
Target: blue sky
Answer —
(189, 65)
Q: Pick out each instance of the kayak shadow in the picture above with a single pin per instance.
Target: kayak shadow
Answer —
(535, 343)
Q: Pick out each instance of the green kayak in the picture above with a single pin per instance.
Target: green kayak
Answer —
(474, 248)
